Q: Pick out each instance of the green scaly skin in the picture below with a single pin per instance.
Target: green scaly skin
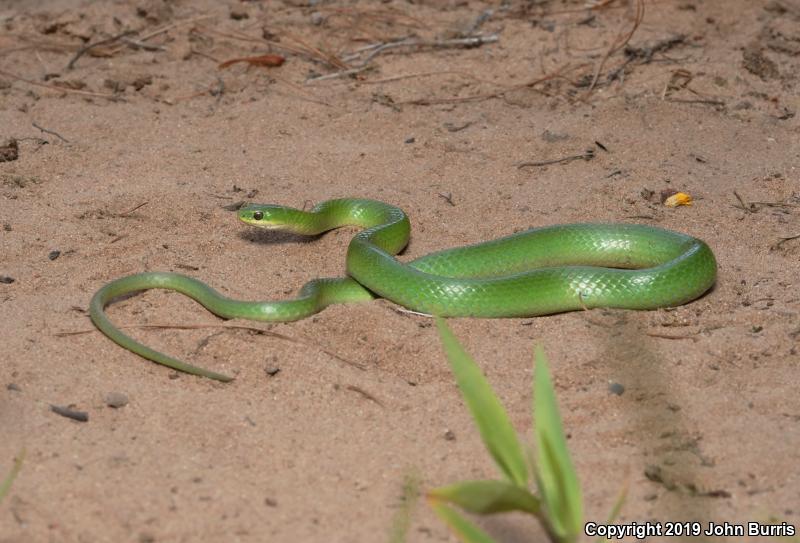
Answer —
(537, 272)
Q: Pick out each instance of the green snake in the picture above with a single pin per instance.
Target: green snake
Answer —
(537, 272)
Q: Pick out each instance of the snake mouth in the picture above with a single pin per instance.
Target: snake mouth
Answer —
(267, 226)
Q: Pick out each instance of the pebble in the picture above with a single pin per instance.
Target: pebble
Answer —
(116, 400)
(239, 14)
(616, 388)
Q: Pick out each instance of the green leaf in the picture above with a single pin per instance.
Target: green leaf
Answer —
(464, 529)
(485, 497)
(555, 474)
(617, 507)
(491, 419)
(5, 486)
(401, 521)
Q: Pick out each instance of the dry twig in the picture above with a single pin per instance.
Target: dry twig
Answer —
(365, 394)
(268, 61)
(781, 241)
(747, 208)
(131, 210)
(59, 89)
(376, 49)
(51, 132)
(273, 44)
(618, 44)
(588, 155)
(138, 44)
(86, 48)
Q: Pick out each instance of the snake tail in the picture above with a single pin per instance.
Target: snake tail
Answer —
(312, 298)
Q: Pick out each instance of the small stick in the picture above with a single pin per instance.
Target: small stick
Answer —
(305, 95)
(357, 53)
(678, 80)
(742, 205)
(767, 204)
(404, 311)
(458, 128)
(164, 29)
(269, 61)
(471, 41)
(45, 130)
(705, 102)
(667, 336)
(618, 45)
(86, 48)
(583, 304)
(364, 393)
(336, 75)
(59, 89)
(436, 73)
(781, 241)
(141, 45)
(204, 55)
(126, 213)
(588, 155)
(80, 416)
(172, 26)
(482, 18)
(447, 198)
(245, 37)
(329, 58)
(752, 207)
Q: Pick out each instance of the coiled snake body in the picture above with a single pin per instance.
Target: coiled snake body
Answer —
(537, 272)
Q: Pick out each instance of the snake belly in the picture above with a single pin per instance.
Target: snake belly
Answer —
(540, 271)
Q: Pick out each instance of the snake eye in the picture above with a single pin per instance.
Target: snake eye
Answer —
(258, 215)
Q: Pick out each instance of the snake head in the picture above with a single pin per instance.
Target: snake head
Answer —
(275, 217)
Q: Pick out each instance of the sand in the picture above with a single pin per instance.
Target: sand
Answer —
(135, 158)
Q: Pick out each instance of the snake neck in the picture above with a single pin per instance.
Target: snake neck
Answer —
(385, 226)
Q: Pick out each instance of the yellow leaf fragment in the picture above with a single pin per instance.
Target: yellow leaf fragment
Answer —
(678, 199)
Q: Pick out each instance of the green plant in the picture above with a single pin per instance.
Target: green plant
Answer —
(558, 505)
(402, 519)
(5, 486)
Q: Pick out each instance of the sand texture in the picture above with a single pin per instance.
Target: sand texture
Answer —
(479, 119)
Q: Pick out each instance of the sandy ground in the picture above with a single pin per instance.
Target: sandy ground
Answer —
(134, 157)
